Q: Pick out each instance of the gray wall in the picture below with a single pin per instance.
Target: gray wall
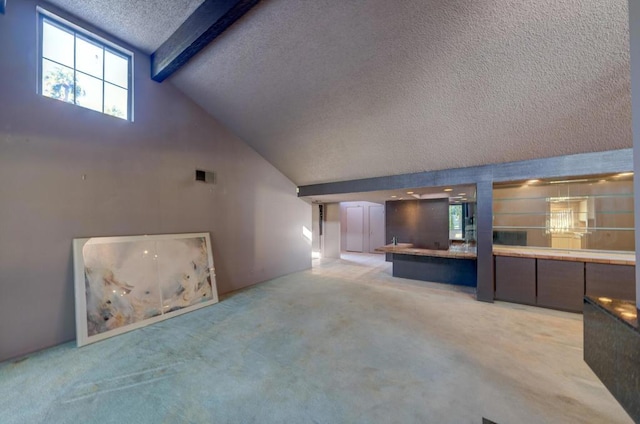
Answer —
(139, 180)
(423, 223)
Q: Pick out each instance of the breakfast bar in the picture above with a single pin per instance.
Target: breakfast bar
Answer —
(456, 265)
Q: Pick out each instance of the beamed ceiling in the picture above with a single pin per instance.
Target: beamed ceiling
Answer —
(332, 90)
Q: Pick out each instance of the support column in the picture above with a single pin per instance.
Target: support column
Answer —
(484, 240)
(634, 41)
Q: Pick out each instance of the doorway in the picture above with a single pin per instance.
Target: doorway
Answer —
(376, 227)
(355, 229)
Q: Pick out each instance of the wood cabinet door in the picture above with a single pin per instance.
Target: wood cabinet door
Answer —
(516, 279)
(560, 284)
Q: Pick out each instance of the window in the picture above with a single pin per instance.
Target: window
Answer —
(80, 68)
(455, 222)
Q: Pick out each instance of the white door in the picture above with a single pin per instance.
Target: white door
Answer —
(376, 227)
(355, 228)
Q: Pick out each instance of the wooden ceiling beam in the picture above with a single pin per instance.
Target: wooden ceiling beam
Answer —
(208, 21)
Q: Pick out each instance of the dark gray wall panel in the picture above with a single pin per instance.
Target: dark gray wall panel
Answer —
(560, 284)
(516, 279)
(422, 179)
(484, 240)
(563, 166)
(423, 223)
(400, 220)
(432, 225)
(435, 269)
(614, 281)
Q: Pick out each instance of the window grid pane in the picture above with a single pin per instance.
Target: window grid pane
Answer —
(116, 101)
(78, 69)
(116, 69)
(57, 44)
(58, 81)
(89, 57)
(89, 91)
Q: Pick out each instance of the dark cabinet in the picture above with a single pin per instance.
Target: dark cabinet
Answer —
(614, 281)
(516, 279)
(560, 284)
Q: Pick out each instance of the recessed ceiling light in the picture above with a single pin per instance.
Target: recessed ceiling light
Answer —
(409, 192)
(462, 194)
(394, 196)
(448, 189)
(464, 198)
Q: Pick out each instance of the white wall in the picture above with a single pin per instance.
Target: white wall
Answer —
(366, 224)
(331, 241)
(139, 180)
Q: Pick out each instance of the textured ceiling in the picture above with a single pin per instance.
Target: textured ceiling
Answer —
(331, 90)
(145, 24)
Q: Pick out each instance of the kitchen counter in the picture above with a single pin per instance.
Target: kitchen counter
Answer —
(457, 265)
(623, 310)
(469, 252)
(612, 348)
(601, 257)
(454, 251)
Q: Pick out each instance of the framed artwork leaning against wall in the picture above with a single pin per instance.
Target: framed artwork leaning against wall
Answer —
(124, 283)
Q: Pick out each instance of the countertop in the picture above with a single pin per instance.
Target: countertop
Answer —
(469, 252)
(614, 258)
(457, 252)
(623, 310)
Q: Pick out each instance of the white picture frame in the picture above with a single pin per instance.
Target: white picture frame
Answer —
(129, 282)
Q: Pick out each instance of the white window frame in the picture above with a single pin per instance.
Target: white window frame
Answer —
(76, 30)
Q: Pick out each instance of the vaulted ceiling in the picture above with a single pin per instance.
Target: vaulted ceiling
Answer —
(331, 90)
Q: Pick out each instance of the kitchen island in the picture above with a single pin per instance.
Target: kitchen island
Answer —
(456, 265)
(612, 348)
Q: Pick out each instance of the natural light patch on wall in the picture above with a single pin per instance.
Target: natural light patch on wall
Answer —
(307, 234)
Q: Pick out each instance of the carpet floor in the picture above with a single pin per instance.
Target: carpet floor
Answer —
(344, 342)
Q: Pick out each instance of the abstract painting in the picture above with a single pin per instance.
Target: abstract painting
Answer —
(124, 283)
